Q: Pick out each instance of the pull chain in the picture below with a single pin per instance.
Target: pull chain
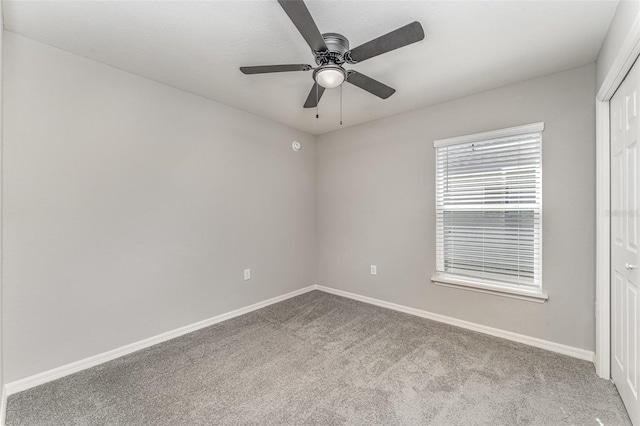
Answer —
(341, 104)
(317, 102)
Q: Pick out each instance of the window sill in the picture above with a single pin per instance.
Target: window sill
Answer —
(488, 287)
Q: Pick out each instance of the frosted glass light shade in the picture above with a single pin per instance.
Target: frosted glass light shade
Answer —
(330, 77)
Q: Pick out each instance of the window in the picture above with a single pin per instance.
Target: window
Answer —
(488, 212)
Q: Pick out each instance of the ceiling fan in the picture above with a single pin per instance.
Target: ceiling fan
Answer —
(331, 52)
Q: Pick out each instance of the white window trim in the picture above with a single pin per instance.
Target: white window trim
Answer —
(489, 287)
(482, 285)
(494, 134)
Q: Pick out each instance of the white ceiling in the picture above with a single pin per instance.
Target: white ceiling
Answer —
(198, 46)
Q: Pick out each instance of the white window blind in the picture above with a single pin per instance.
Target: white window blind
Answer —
(488, 207)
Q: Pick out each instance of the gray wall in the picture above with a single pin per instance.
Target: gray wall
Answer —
(132, 208)
(376, 206)
(626, 13)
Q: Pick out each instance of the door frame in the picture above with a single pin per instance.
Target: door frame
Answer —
(629, 51)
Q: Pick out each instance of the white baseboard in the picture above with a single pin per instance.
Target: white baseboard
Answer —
(520, 338)
(65, 370)
(3, 406)
(83, 364)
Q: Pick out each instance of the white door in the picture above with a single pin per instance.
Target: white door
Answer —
(625, 299)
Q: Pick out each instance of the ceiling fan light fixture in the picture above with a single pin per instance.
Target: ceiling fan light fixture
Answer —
(330, 76)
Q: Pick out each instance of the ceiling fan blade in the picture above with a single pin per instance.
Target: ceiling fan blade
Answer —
(311, 101)
(301, 18)
(396, 39)
(370, 85)
(261, 69)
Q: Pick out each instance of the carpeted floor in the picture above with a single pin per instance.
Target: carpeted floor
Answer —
(320, 359)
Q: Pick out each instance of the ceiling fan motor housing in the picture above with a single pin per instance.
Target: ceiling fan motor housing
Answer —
(337, 46)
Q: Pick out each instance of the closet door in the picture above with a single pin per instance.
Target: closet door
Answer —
(625, 130)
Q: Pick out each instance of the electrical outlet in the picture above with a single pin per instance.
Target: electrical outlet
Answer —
(374, 270)
(247, 274)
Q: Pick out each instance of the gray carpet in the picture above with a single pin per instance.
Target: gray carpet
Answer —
(320, 359)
